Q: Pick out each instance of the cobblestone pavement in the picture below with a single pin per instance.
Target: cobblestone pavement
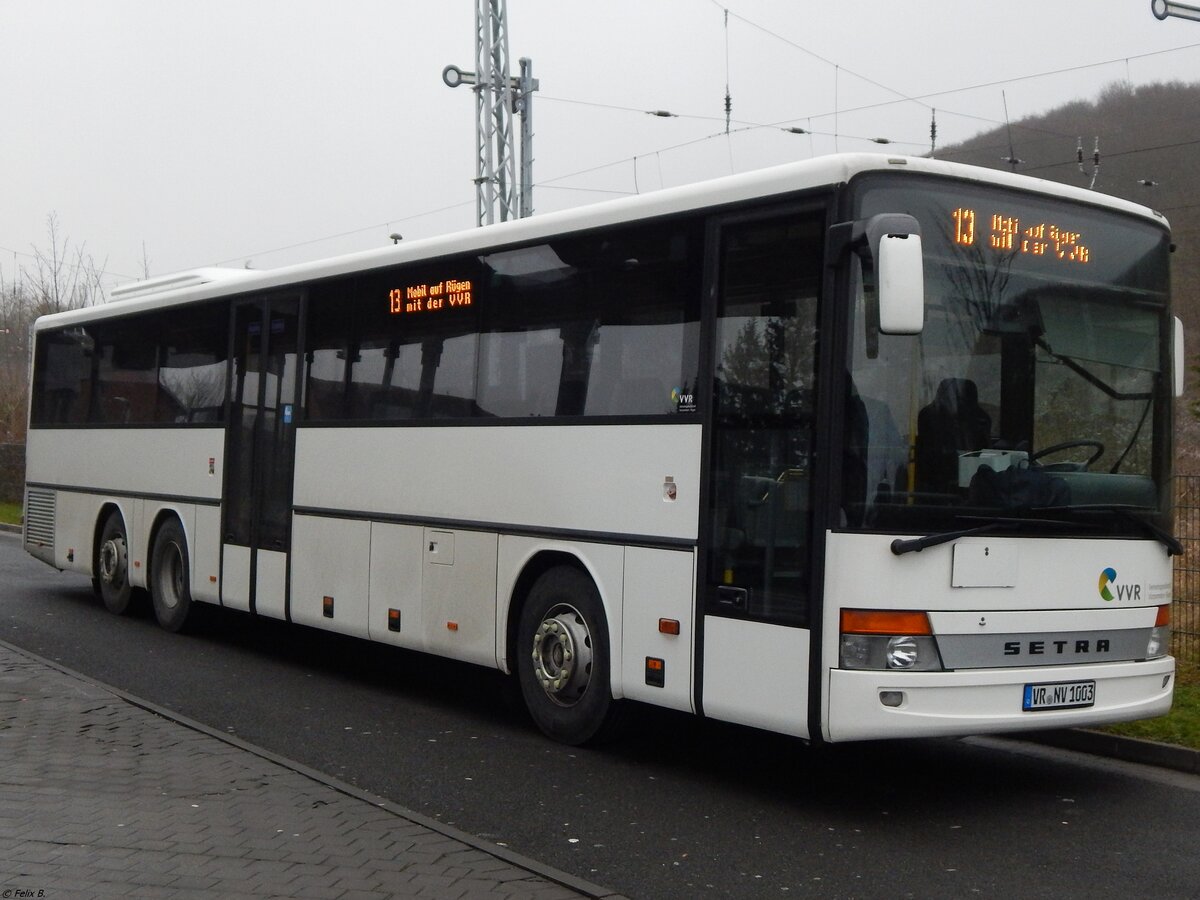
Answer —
(100, 797)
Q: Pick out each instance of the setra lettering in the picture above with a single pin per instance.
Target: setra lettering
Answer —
(1057, 648)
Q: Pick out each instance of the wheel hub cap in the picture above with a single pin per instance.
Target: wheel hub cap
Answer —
(562, 655)
(112, 562)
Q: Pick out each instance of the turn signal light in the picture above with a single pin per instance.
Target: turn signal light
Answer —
(879, 621)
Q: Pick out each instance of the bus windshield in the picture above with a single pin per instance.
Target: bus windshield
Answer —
(1037, 388)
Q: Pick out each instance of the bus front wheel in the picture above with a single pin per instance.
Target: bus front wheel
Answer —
(112, 566)
(170, 578)
(563, 661)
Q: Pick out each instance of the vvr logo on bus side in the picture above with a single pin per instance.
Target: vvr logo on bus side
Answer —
(1108, 579)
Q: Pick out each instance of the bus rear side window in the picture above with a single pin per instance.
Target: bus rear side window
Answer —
(157, 368)
(62, 388)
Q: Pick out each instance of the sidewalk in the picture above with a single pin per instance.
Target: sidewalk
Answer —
(102, 796)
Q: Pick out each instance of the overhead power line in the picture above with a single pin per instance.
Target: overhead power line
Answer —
(104, 275)
(342, 234)
(1108, 156)
(782, 125)
(921, 99)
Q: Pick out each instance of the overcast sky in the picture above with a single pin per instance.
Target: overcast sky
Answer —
(235, 131)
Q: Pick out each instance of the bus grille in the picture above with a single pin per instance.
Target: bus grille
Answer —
(39, 519)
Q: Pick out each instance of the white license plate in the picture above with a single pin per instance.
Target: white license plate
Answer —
(1059, 695)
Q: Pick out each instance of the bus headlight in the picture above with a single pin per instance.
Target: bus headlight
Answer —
(1159, 643)
(902, 652)
(1160, 640)
(875, 639)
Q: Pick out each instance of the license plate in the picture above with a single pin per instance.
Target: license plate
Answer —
(1059, 695)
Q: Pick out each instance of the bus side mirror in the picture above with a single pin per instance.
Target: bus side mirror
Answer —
(1179, 366)
(900, 272)
(890, 244)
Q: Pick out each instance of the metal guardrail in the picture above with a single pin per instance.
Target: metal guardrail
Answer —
(1185, 616)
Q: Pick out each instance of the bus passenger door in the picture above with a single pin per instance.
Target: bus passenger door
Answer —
(757, 526)
(259, 455)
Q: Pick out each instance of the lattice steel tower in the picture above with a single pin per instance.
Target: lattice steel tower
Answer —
(497, 97)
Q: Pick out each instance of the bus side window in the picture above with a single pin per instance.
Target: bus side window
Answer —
(63, 383)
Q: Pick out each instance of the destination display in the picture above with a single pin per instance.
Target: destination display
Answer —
(430, 296)
(1003, 233)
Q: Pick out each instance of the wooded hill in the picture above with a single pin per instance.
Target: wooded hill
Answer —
(1147, 134)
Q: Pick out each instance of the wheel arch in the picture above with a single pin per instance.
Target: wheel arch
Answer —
(160, 519)
(541, 562)
(107, 508)
(604, 568)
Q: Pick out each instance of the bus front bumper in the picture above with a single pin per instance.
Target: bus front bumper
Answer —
(958, 703)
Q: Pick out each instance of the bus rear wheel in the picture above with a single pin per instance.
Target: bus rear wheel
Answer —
(112, 566)
(170, 578)
(563, 662)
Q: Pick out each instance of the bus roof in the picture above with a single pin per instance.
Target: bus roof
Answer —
(210, 283)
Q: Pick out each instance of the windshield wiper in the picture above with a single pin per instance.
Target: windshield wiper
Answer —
(900, 547)
(1168, 540)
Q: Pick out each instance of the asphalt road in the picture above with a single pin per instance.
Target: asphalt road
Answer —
(677, 808)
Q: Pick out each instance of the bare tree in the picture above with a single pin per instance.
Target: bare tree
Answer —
(62, 276)
(15, 320)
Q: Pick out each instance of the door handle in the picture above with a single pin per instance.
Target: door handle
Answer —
(736, 597)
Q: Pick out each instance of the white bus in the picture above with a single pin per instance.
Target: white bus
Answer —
(858, 447)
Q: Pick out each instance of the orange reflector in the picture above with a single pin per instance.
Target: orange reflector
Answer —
(880, 621)
(212, 578)
(656, 672)
(137, 563)
(453, 626)
(1163, 617)
(668, 626)
(393, 620)
(327, 607)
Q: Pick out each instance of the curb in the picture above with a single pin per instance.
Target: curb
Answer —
(1115, 746)
(542, 870)
(11, 529)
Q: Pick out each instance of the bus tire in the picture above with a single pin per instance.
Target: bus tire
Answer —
(170, 578)
(112, 566)
(563, 661)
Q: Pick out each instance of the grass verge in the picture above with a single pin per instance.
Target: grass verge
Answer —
(10, 513)
(1181, 725)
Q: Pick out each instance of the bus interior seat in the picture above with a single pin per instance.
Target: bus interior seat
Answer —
(954, 421)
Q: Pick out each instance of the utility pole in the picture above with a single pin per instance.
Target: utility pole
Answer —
(497, 97)
(523, 106)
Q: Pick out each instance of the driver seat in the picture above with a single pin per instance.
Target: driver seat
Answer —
(952, 423)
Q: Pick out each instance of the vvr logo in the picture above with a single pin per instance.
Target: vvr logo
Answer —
(684, 400)
(1108, 579)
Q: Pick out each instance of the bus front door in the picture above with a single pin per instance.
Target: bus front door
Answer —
(757, 580)
(259, 455)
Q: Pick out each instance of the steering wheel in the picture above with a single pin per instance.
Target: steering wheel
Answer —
(1066, 445)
